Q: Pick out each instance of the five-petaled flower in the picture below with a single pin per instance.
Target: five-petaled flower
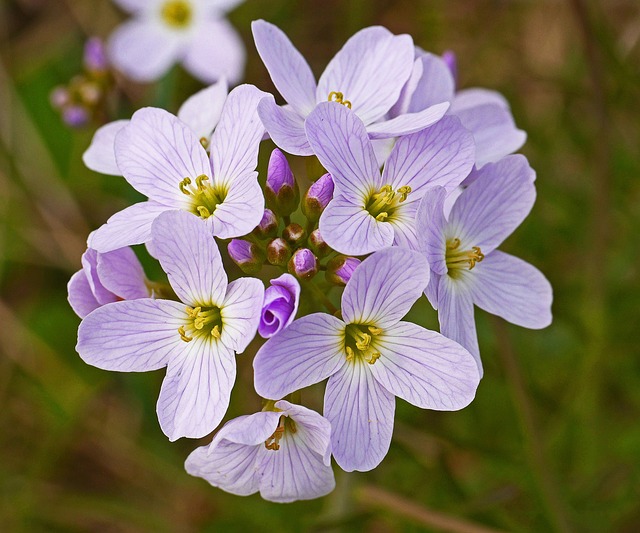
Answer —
(370, 357)
(194, 338)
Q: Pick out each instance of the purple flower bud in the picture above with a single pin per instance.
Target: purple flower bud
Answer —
(268, 226)
(281, 189)
(75, 116)
(59, 97)
(280, 305)
(95, 58)
(303, 264)
(449, 57)
(340, 269)
(294, 234)
(278, 252)
(246, 255)
(318, 196)
(318, 244)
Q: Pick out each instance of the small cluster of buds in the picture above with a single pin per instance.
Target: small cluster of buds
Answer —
(299, 249)
(84, 97)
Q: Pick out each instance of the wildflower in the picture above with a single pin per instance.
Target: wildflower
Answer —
(280, 305)
(194, 338)
(366, 76)
(106, 278)
(164, 32)
(467, 269)
(370, 357)
(162, 158)
(283, 452)
(370, 211)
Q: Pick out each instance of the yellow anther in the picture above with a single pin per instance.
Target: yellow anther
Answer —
(204, 212)
(364, 342)
(452, 244)
(476, 257)
(350, 353)
(200, 181)
(335, 96)
(183, 186)
(373, 357)
(183, 334)
(381, 217)
(199, 322)
(204, 142)
(193, 312)
(215, 332)
(404, 192)
(273, 442)
(457, 259)
(374, 330)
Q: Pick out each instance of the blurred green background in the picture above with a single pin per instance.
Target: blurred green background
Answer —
(552, 442)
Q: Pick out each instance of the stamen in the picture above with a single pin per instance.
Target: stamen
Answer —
(200, 181)
(364, 342)
(215, 332)
(201, 322)
(350, 353)
(183, 335)
(204, 212)
(383, 203)
(273, 442)
(457, 259)
(374, 330)
(404, 192)
(361, 344)
(381, 217)
(373, 357)
(183, 186)
(335, 96)
(204, 142)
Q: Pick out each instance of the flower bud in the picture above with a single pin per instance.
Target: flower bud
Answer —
(95, 58)
(75, 116)
(268, 226)
(449, 57)
(294, 234)
(317, 244)
(340, 269)
(281, 190)
(248, 256)
(59, 97)
(278, 252)
(280, 305)
(318, 196)
(303, 264)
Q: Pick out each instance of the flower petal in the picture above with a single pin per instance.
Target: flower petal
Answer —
(307, 352)
(201, 111)
(361, 414)
(195, 392)
(143, 50)
(90, 267)
(285, 127)
(189, 255)
(407, 123)
(215, 51)
(350, 229)
(127, 227)
(384, 287)
(435, 84)
(513, 289)
(430, 224)
(370, 70)
(101, 155)
(404, 226)
(339, 139)
(80, 296)
(240, 312)
(312, 427)
(121, 273)
(241, 210)
(425, 368)
(132, 335)
(156, 151)
(249, 430)
(236, 140)
(287, 68)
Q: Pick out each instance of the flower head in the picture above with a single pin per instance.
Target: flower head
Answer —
(283, 452)
(195, 338)
(370, 357)
(280, 305)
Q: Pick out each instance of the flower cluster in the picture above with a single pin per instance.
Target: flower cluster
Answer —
(349, 255)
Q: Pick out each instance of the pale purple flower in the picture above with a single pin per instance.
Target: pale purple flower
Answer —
(106, 278)
(280, 305)
(283, 453)
(195, 338)
(484, 112)
(370, 357)
(201, 112)
(466, 268)
(162, 33)
(370, 210)
(367, 76)
(162, 158)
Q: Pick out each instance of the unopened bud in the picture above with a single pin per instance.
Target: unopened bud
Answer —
(303, 264)
(317, 244)
(281, 190)
(59, 97)
(340, 269)
(318, 196)
(75, 116)
(95, 58)
(247, 255)
(278, 252)
(294, 234)
(268, 226)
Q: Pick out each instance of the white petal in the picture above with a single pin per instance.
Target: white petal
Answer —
(201, 111)
(80, 296)
(285, 127)
(240, 312)
(241, 210)
(407, 123)
(101, 155)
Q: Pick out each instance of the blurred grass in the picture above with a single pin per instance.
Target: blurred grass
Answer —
(551, 442)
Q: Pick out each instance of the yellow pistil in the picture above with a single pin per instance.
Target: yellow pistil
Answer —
(458, 260)
(383, 203)
(201, 321)
(205, 196)
(335, 96)
(284, 424)
(177, 13)
(360, 343)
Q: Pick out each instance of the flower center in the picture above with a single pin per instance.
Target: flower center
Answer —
(176, 13)
(458, 260)
(284, 424)
(205, 197)
(383, 203)
(204, 321)
(359, 341)
(335, 96)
